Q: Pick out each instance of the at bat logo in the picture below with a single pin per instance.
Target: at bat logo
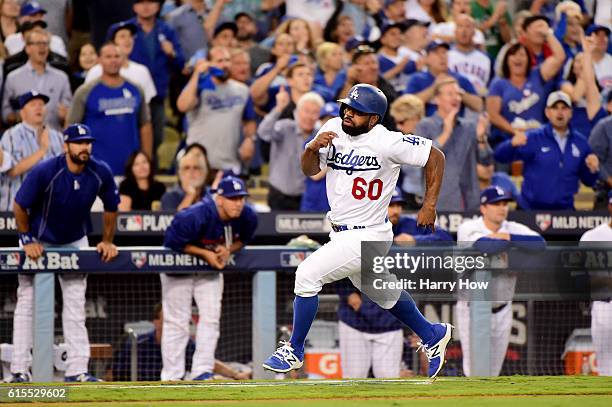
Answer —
(139, 259)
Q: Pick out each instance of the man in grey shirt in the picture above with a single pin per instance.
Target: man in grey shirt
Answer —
(38, 75)
(188, 21)
(457, 138)
(287, 137)
(601, 143)
(219, 112)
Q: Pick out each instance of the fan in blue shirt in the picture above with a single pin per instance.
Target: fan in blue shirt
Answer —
(555, 158)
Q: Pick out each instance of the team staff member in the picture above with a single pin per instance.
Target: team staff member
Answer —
(371, 337)
(24, 145)
(601, 311)
(212, 229)
(492, 233)
(555, 158)
(52, 209)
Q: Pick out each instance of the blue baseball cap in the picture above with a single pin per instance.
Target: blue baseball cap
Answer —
(330, 109)
(435, 44)
(494, 194)
(232, 187)
(26, 97)
(122, 25)
(77, 132)
(593, 28)
(397, 196)
(30, 8)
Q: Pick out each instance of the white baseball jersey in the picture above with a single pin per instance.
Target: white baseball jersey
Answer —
(602, 233)
(363, 170)
(473, 229)
(475, 66)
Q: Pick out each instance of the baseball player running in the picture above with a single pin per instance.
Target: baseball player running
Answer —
(211, 229)
(52, 209)
(601, 311)
(493, 233)
(363, 161)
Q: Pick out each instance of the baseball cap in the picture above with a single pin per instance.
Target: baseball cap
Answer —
(127, 25)
(397, 196)
(30, 25)
(231, 187)
(494, 194)
(26, 97)
(243, 14)
(30, 8)
(593, 28)
(227, 25)
(77, 132)
(411, 22)
(330, 109)
(531, 19)
(354, 42)
(387, 27)
(435, 44)
(558, 96)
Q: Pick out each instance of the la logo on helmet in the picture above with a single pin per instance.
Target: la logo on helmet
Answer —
(82, 130)
(354, 94)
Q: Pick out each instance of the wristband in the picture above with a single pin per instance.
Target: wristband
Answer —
(26, 238)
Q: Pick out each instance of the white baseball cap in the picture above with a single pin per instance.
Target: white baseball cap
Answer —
(558, 96)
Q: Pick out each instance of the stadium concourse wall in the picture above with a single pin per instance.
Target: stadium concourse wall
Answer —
(257, 298)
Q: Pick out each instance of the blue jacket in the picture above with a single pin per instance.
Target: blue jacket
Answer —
(408, 224)
(160, 65)
(550, 176)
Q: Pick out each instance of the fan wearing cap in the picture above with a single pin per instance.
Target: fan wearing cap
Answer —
(24, 145)
(602, 60)
(493, 234)
(555, 158)
(157, 47)
(395, 67)
(52, 208)
(213, 229)
(122, 35)
(424, 83)
(405, 228)
(601, 311)
(32, 12)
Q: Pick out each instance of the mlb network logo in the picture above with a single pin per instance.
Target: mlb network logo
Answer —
(10, 261)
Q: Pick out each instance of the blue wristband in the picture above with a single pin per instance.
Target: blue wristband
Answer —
(26, 238)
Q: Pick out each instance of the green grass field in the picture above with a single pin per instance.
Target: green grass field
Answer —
(575, 391)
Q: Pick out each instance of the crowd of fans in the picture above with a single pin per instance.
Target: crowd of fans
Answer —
(247, 83)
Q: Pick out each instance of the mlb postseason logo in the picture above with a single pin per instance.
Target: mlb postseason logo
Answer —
(139, 259)
(543, 220)
(10, 261)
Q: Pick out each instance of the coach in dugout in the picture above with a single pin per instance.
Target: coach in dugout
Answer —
(370, 337)
(555, 158)
(24, 145)
(493, 235)
(52, 209)
(212, 229)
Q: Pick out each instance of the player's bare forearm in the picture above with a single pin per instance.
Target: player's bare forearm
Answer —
(21, 218)
(434, 171)
(108, 230)
(310, 162)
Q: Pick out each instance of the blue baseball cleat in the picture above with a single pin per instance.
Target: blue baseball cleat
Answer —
(82, 378)
(205, 376)
(19, 378)
(284, 359)
(436, 348)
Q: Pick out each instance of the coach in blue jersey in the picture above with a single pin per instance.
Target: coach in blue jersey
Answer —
(52, 208)
(212, 229)
(116, 112)
(555, 158)
(24, 145)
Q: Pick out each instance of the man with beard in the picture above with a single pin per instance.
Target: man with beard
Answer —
(219, 112)
(52, 208)
(363, 161)
(116, 111)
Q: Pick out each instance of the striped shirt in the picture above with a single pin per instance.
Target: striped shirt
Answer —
(17, 143)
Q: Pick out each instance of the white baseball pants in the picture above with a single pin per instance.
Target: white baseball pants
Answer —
(360, 350)
(601, 331)
(177, 294)
(73, 320)
(340, 258)
(501, 325)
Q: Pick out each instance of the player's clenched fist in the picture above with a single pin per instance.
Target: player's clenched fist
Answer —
(322, 140)
(427, 218)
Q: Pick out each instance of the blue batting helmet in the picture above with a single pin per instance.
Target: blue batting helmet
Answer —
(366, 99)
